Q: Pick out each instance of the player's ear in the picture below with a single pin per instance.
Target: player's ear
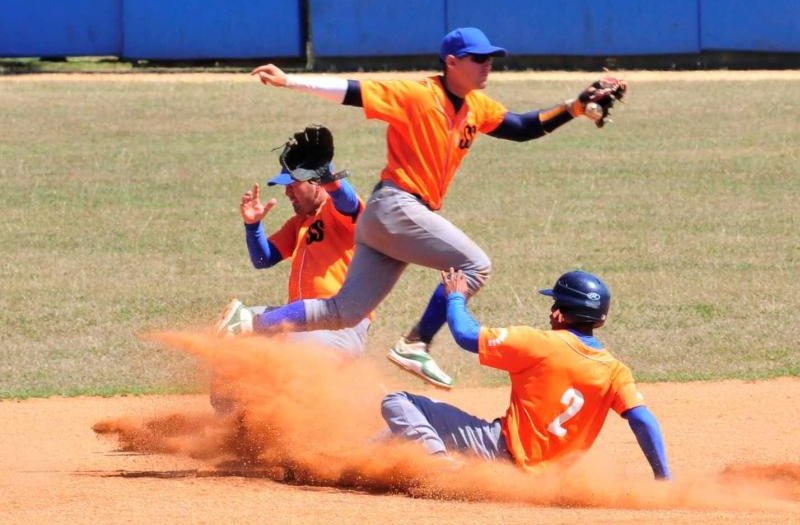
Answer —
(557, 316)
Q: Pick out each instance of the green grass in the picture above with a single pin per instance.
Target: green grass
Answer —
(111, 64)
(119, 205)
(67, 65)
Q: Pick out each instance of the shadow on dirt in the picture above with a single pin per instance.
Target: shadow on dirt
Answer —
(294, 475)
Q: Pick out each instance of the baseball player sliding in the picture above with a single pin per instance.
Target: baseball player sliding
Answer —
(563, 384)
(432, 123)
(318, 239)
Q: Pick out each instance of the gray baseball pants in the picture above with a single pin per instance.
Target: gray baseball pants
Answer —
(351, 340)
(395, 229)
(443, 428)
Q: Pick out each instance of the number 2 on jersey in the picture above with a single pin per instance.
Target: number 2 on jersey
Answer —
(573, 400)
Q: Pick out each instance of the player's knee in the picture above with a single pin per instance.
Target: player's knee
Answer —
(478, 275)
(392, 401)
(392, 409)
(334, 313)
(351, 317)
(345, 311)
(484, 272)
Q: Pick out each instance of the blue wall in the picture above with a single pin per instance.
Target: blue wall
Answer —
(60, 27)
(583, 27)
(263, 29)
(746, 25)
(212, 29)
(375, 28)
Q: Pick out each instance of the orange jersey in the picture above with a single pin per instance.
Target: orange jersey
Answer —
(321, 248)
(426, 139)
(561, 390)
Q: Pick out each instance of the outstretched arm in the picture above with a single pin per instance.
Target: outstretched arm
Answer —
(594, 102)
(648, 434)
(339, 90)
(464, 327)
(528, 126)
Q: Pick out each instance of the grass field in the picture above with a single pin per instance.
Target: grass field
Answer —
(119, 203)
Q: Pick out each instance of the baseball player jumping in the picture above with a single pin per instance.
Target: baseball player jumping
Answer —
(432, 123)
(563, 383)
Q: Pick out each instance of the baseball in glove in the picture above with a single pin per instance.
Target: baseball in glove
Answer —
(597, 100)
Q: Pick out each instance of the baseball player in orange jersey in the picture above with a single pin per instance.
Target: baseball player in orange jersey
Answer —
(563, 384)
(432, 123)
(318, 239)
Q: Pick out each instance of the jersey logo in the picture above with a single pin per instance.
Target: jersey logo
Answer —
(467, 136)
(502, 335)
(315, 232)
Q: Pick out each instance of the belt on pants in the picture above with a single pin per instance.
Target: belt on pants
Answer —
(390, 184)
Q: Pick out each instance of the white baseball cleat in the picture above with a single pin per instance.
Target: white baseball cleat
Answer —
(236, 319)
(414, 358)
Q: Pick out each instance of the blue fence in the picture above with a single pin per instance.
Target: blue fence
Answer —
(376, 28)
(60, 28)
(152, 29)
(203, 29)
(744, 25)
(249, 29)
(584, 27)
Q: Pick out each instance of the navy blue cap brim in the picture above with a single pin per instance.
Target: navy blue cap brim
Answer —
(284, 178)
(484, 50)
(548, 292)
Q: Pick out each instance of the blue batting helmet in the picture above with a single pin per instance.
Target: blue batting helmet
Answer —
(581, 297)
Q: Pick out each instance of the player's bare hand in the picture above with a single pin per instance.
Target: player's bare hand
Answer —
(251, 208)
(270, 75)
(454, 282)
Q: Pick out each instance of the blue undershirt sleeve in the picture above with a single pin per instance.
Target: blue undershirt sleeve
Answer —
(519, 127)
(352, 97)
(434, 316)
(292, 314)
(464, 327)
(648, 434)
(345, 199)
(263, 253)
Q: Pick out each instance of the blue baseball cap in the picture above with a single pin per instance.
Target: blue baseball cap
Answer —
(468, 40)
(284, 178)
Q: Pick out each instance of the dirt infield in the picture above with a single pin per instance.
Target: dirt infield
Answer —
(732, 445)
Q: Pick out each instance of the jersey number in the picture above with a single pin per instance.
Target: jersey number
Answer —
(573, 400)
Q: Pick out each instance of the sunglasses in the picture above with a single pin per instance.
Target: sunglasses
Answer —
(480, 59)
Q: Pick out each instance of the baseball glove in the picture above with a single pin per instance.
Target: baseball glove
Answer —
(308, 154)
(597, 100)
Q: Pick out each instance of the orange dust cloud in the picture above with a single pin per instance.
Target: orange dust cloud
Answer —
(315, 415)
